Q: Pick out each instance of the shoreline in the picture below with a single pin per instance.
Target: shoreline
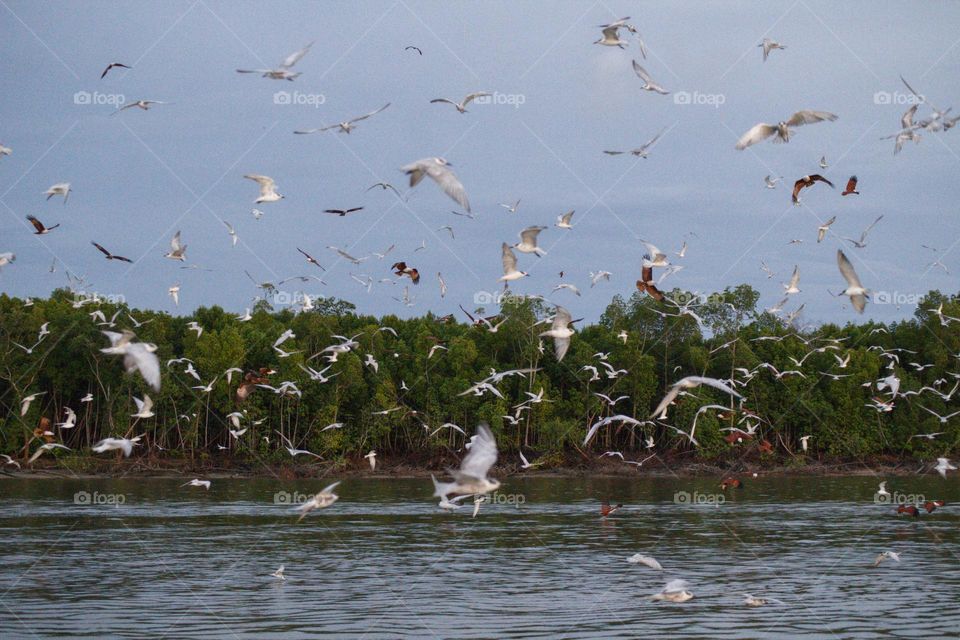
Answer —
(94, 468)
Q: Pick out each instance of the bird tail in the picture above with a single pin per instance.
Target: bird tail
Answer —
(441, 489)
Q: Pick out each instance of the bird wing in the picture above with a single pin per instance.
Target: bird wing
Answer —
(367, 115)
(797, 186)
(816, 177)
(470, 97)
(652, 140)
(509, 259)
(795, 278)
(757, 133)
(851, 184)
(529, 235)
(642, 73)
(906, 120)
(483, 453)
(712, 382)
(138, 357)
(36, 224)
(266, 183)
(561, 319)
(449, 183)
(863, 235)
(295, 57)
(846, 270)
(808, 116)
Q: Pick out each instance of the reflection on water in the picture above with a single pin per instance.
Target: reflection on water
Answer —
(148, 558)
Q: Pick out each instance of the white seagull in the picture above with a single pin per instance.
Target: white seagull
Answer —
(437, 169)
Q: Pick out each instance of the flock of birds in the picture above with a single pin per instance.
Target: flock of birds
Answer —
(471, 479)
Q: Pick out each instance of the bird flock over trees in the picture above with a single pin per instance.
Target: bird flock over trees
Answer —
(664, 372)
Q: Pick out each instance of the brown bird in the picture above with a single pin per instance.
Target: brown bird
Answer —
(736, 437)
(909, 509)
(765, 447)
(479, 322)
(250, 382)
(342, 212)
(43, 430)
(607, 510)
(109, 255)
(310, 258)
(40, 229)
(734, 483)
(931, 505)
(807, 181)
(401, 269)
(851, 187)
(111, 66)
(646, 284)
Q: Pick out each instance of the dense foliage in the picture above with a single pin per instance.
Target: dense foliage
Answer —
(67, 365)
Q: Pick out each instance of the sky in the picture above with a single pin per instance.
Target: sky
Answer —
(560, 100)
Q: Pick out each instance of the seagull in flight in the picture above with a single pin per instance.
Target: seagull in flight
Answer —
(768, 46)
(856, 291)
(862, 243)
(611, 35)
(462, 105)
(384, 186)
(59, 189)
(641, 151)
(761, 131)
(283, 70)
(648, 83)
(140, 104)
(322, 500)
(691, 382)
(347, 125)
(268, 188)
(438, 170)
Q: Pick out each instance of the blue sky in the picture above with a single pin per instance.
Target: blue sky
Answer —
(140, 176)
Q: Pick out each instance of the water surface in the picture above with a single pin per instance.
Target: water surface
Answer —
(384, 562)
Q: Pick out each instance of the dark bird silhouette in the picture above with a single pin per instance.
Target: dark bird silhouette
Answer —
(851, 187)
(111, 66)
(342, 212)
(40, 229)
(109, 255)
(807, 181)
(647, 285)
(401, 269)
